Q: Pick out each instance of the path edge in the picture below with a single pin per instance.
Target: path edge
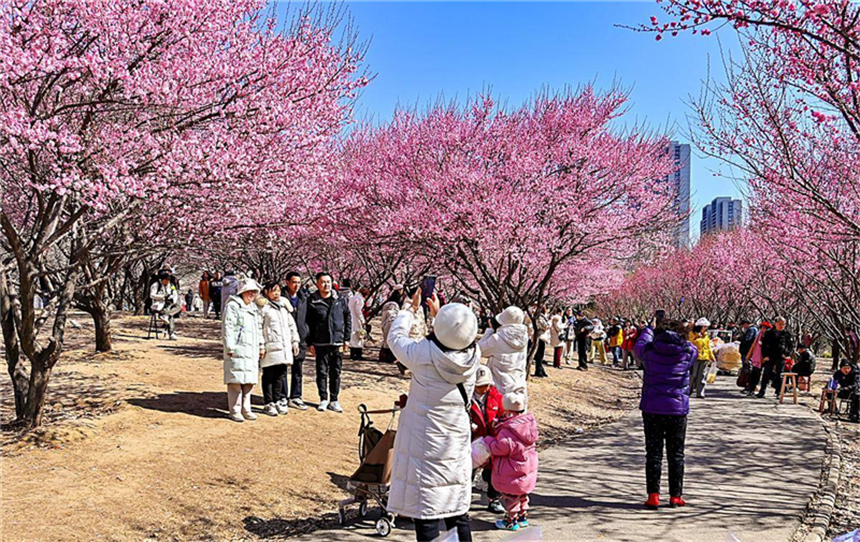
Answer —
(832, 468)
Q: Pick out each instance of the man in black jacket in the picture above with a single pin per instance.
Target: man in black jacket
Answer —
(329, 325)
(848, 380)
(776, 346)
(747, 338)
(298, 296)
(582, 327)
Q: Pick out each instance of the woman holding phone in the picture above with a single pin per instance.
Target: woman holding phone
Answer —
(666, 356)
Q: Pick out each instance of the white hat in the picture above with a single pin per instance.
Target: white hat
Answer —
(511, 315)
(248, 285)
(456, 326)
(484, 378)
(703, 322)
(514, 401)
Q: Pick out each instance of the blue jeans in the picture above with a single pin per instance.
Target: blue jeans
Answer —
(616, 354)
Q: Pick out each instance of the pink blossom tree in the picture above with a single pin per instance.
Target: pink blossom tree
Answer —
(183, 115)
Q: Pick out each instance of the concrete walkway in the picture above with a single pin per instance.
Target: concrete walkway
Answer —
(592, 488)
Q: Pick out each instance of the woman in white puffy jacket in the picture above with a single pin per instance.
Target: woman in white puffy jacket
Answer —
(506, 349)
(281, 337)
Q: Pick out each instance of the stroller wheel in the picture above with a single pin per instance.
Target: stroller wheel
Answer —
(383, 526)
(341, 516)
(362, 509)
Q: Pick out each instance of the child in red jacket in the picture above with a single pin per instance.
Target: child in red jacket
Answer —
(486, 407)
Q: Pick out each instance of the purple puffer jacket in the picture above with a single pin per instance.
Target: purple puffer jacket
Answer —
(666, 380)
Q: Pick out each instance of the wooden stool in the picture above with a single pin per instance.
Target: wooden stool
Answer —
(788, 378)
(154, 326)
(828, 400)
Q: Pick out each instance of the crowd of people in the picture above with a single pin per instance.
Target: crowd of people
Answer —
(468, 394)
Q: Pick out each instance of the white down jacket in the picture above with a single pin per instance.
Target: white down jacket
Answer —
(507, 353)
(432, 467)
(279, 332)
(243, 336)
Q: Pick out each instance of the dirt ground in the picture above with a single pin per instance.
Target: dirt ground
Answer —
(137, 446)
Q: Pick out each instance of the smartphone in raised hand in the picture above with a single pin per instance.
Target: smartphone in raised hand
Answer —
(659, 315)
(428, 288)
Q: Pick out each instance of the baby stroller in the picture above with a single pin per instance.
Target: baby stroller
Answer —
(372, 479)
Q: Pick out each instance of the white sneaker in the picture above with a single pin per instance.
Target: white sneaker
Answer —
(282, 407)
(299, 404)
(248, 415)
(335, 406)
(172, 336)
(322, 406)
(236, 417)
(165, 318)
(270, 410)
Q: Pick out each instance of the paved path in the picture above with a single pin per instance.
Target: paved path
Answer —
(591, 488)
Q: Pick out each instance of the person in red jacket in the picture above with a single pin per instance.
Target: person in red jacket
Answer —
(486, 407)
(631, 333)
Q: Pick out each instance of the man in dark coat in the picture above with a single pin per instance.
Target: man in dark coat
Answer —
(582, 327)
(747, 338)
(329, 325)
(776, 346)
(848, 380)
(298, 296)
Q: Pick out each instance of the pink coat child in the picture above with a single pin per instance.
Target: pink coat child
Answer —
(515, 457)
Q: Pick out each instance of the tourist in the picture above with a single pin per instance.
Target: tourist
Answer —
(847, 379)
(165, 302)
(229, 286)
(569, 336)
(615, 337)
(542, 339)
(506, 349)
(243, 348)
(582, 328)
(215, 286)
(598, 336)
(329, 325)
(748, 333)
(776, 346)
(631, 333)
(702, 341)
(203, 292)
(189, 301)
(281, 338)
(298, 298)
(805, 364)
(754, 359)
(486, 408)
(356, 314)
(432, 465)
(667, 356)
(515, 460)
(557, 337)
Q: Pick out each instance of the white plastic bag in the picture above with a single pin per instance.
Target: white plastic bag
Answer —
(480, 453)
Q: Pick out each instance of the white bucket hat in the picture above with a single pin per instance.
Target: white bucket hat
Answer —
(484, 378)
(511, 315)
(703, 322)
(456, 326)
(248, 285)
(514, 401)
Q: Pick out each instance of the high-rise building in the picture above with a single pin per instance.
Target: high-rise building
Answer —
(680, 180)
(722, 214)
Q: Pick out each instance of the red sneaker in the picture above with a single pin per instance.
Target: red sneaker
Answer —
(676, 501)
(653, 501)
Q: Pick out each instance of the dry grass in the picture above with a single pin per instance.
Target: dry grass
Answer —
(136, 444)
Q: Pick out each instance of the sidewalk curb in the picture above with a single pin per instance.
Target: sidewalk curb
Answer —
(827, 495)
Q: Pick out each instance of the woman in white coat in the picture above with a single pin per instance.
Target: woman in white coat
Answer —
(557, 327)
(356, 313)
(281, 337)
(243, 348)
(432, 466)
(506, 349)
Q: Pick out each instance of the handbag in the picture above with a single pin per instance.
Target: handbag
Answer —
(744, 376)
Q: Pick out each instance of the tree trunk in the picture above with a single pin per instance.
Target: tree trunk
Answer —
(835, 351)
(17, 370)
(102, 320)
(36, 394)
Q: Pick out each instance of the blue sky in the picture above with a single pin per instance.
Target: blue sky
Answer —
(420, 50)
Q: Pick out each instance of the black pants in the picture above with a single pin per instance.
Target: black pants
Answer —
(274, 378)
(771, 375)
(296, 374)
(487, 476)
(671, 430)
(356, 353)
(581, 343)
(329, 363)
(428, 529)
(755, 378)
(539, 354)
(216, 305)
(854, 413)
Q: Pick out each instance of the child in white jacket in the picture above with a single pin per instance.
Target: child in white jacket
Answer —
(281, 338)
(506, 349)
